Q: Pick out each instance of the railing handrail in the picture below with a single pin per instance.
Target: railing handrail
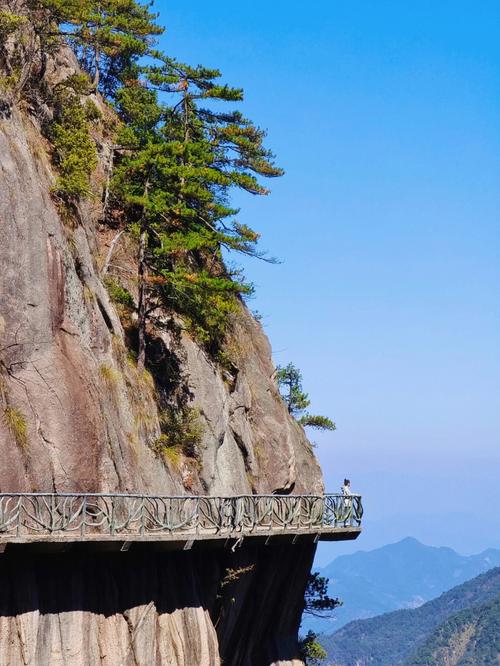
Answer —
(139, 516)
(147, 496)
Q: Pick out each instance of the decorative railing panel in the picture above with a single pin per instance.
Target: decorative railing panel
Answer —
(90, 515)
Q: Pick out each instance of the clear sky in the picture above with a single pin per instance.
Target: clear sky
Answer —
(386, 118)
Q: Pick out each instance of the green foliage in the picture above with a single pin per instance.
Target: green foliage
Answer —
(318, 422)
(107, 35)
(119, 294)
(181, 430)
(16, 423)
(9, 83)
(174, 181)
(311, 652)
(180, 155)
(10, 22)
(317, 602)
(10, 49)
(92, 113)
(173, 454)
(290, 384)
(74, 149)
(110, 375)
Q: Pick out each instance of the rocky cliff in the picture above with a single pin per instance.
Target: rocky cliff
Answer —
(78, 416)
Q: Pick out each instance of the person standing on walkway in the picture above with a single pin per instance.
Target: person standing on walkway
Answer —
(346, 488)
(346, 492)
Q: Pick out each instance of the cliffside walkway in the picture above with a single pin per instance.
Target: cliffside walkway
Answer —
(175, 522)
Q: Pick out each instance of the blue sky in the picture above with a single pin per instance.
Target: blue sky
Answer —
(386, 119)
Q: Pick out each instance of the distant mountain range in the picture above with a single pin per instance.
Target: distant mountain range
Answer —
(459, 628)
(401, 575)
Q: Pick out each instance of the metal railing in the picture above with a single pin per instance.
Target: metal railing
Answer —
(87, 516)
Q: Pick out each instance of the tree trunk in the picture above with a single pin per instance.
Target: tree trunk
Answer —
(97, 74)
(109, 256)
(141, 273)
(109, 173)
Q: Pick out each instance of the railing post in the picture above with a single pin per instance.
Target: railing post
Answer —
(52, 509)
(84, 514)
(112, 525)
(141, 529)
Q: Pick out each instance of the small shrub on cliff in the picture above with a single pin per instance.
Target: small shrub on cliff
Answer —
(234, 575)
(181, 430)
(182, 433)
(171, 453)
(311, 652)
(10, 22)
(16, 423)
(290, 384)
(109, 375)
(119, 294)
(74, 148)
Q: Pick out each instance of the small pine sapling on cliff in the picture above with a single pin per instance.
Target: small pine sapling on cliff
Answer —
(311, 652)
(297, 401)
(318, 603)
(74, 149)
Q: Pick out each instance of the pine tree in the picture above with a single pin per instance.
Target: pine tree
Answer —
(178, 158)
(182, 162)
(290, 383)
(106, 35)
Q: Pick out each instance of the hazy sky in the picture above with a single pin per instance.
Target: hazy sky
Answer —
(386, 118)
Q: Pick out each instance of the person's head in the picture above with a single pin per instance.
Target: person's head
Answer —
(347, 482)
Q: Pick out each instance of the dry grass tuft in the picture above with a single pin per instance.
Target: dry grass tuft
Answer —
(16, 423)
(171, 454)
(109, 375)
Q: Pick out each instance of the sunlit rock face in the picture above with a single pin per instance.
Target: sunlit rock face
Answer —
(152, 608)
(89, 420)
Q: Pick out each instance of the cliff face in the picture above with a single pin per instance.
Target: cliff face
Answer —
(89, 415)
(77, 416)
(139, 609)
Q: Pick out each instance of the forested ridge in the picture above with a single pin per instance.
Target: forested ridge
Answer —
(390, 639)
(469, 638)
